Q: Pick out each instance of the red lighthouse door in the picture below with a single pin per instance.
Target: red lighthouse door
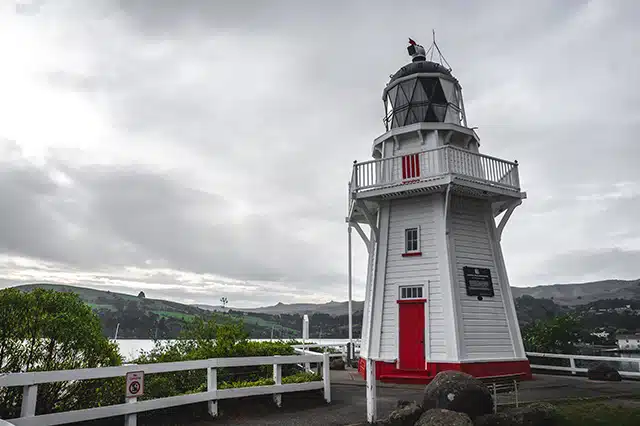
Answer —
(411, 324)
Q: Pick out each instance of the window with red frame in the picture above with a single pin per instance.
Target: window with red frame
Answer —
(411, 166)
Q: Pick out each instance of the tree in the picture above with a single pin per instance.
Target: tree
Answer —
(559, 334)
(141, 295)
(224, 301)
(47, 330)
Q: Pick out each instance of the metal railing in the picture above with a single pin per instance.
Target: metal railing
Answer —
(425, 165)
(29, 382)
(627, 367)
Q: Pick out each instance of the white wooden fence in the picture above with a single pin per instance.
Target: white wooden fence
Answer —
(574, 369)
(30, 381)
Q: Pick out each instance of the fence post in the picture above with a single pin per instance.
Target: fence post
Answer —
(131, 419)
(326, 376)
(212, 385)
(572, 363)
(277, 378)
(29, 398)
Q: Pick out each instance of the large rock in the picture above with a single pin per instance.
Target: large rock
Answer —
(537, 414)
(442, 417)
(337, 364)
(405, 414)
(602, 371)
(456, 391)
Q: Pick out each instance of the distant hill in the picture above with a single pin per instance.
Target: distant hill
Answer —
(330, 308)
(142, 318)
(99, 299)
(212, 308)
(600, 303)
(581, 294)
(560, 294)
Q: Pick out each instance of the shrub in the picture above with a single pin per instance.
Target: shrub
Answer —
(45, 330)
(204, 339)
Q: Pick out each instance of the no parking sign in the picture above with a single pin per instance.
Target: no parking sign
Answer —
(135, 384)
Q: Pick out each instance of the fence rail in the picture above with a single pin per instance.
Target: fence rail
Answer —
(431, 164)
(30, 381)
(581, 363)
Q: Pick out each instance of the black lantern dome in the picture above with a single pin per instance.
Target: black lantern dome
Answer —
(421, 91)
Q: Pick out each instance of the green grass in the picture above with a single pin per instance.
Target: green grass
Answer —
(98, 307)
(248, 319)
(178, 315)
(598, 413)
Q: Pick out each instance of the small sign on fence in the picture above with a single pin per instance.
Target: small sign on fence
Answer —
(135, 384)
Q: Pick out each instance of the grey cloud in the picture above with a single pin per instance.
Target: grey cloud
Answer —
(591, 265)
(275, 101)
(138, 215)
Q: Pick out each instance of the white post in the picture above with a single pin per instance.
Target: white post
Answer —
(131, 419)
(371, 391)
(326, 376)
(350, 347)
(277, 378)
(572, 363)
(29, 399)
(305, 337)
(212, 385)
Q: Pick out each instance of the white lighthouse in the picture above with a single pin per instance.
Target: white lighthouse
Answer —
(437, 293)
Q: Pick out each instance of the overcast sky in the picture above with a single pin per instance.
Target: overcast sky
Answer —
(200, 149)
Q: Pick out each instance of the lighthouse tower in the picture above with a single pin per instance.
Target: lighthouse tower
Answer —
(437, 293)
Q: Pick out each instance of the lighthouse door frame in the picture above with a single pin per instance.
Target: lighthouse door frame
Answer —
(411, 297)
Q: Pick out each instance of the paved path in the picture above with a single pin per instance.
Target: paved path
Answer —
(349, 403)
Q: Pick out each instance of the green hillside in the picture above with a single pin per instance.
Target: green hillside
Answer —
(142, 318)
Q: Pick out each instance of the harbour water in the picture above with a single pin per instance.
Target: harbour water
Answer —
(131, 348)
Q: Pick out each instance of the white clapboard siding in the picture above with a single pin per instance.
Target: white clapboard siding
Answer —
(484, 323)
(418, 270)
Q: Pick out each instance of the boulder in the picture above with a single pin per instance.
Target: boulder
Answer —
(337, 364)
(602, 371)
(405, 414)
(457, 391)
(442, 417)
(537, 414)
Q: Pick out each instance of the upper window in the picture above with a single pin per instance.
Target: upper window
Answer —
(411, 242)
(414, 292)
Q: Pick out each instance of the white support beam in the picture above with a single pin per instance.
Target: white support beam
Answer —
(371, 391)
(447, 199)
(371, 220)
(350, 270)
(447, 137)
(505, 218)
(362, 235)
(326, 376)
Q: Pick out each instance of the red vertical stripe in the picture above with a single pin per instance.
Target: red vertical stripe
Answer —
(404, 168)
(411, 166)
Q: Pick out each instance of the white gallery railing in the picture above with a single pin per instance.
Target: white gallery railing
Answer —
(29, 382)
(579, 363)
(425, 165)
